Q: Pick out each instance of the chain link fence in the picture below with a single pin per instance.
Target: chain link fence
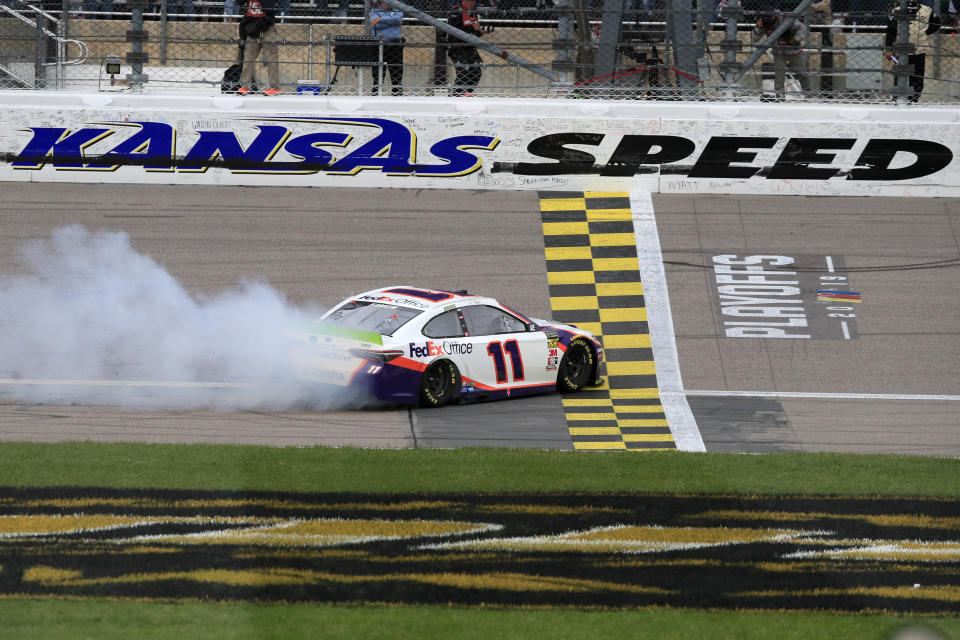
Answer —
(844, 51)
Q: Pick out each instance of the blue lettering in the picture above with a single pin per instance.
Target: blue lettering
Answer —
(307, 148)
(392, 151)
(225, 144)
(152, 146)
(58, 144)
(459, 162)
(431, 348)
(417, 352)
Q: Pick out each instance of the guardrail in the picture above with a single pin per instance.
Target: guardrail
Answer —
(59, 61)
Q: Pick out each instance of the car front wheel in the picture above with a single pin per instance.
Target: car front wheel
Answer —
(576, 367)
(439, 384)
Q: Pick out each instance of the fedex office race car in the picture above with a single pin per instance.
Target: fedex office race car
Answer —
(420, 346)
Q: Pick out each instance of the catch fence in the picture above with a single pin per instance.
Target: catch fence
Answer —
(853, 51)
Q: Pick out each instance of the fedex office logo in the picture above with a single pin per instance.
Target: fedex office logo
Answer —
(275, 148)
(445, 348)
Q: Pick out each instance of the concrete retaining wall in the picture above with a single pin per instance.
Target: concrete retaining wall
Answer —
(480, 144)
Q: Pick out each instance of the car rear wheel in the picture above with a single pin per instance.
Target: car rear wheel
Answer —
(576, 367)
(439, 384)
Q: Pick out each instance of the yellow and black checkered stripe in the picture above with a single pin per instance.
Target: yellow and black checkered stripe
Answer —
(594, 280)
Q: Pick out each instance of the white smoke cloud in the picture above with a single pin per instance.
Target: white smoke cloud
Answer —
(88, 307)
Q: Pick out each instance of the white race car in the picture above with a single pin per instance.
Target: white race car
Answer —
(421, 346)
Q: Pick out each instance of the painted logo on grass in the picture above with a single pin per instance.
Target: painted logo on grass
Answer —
(601, 551)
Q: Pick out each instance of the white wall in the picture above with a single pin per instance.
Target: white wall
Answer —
(397, 137)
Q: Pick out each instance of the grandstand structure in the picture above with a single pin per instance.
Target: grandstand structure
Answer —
(856, 51)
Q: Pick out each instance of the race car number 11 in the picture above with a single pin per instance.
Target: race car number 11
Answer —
(512, 347)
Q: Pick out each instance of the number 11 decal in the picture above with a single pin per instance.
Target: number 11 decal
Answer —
(512, 347)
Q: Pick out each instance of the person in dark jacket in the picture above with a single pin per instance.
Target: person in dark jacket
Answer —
(386, 23)
(466, 59)
(257, 29)
(787, 51)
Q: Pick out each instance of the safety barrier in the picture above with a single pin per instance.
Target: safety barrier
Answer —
(307, 140)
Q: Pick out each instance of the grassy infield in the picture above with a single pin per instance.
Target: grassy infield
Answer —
(477, 470)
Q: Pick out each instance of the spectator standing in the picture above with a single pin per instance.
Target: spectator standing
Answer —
(922, 26)
(948, 18)
(385, 24)
(259, 32)
(637, 10)
(90, 6)
(333, 8)
(865, 13)
(230, 9)
(181, 7)
(466, 59)
(787, 51)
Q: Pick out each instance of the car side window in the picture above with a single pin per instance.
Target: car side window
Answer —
(445, 325)
(485, 321)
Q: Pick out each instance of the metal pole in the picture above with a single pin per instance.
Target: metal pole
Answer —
(326, 77)
(137, 36)
(438, 75)
(937, 55)
(704, 18)
(610, 25)
(163, 31)
(936, 44)
(704, 9)
(310, 51)
(380, 75)
(137, 23)
(62, 31)
(902, 49)
(40, 55)
(564, 46)
(585, 58)
(730, 45)
(685, 53)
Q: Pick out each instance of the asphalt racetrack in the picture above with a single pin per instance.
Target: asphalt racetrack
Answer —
(874, 366)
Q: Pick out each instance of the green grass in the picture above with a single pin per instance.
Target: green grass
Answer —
(470, 470)
(441, 471)
(124, 620)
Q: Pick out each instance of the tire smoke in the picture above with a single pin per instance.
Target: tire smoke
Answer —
(89, 320)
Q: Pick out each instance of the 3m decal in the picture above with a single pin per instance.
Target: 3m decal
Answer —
(553, 358)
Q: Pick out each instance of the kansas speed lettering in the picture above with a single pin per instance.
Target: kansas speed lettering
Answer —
(301, 145)
(784, 297)
(731, 157)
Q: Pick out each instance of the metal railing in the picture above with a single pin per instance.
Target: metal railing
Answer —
(44, 38)
(862, 51)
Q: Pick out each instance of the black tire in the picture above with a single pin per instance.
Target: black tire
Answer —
(439, 384)
(576, 367)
